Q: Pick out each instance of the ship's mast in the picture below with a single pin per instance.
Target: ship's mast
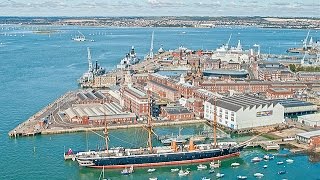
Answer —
(149, 126)
(106, 133)
(89, 59)
(214, 123)
(151, 46)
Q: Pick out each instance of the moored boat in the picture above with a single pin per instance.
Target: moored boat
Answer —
(235, 164)
(183, 173)
(215, 165)
(205, 178)
(175, 170)
(279, 162)
(282, 172)
(116, 158)
(289, 160)
(151, 170)
(127, 171)
(242, 177)
(202, 167)
(258, 175)
(256, 159)
(219, 175)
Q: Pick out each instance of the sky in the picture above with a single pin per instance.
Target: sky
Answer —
(288, 8)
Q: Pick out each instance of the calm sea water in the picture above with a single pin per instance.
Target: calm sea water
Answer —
(38, 68)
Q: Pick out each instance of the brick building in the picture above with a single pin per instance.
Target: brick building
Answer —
(176, 113)
(308, 76)
(279, 93)
(135, 100)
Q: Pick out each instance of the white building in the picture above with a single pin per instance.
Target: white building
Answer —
(242, 112)
(310, 120)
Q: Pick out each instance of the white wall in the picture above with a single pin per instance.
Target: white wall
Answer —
(246, 118)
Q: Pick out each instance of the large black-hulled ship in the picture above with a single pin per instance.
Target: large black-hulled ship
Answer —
(158, 156)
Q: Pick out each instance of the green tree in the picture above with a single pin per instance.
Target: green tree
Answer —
(292, 67)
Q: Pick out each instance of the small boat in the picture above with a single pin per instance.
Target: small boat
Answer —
(235, 164)
(280, 162)
(211, 171)
(289, 160)
(268, 157)
(256, 159)
(215, 165)
(205, 178)
(265, 166)
(153, 178)
(282, 172)
(127, 171)
(219, 175)
(202, 167)
(151, 170)
(242, 177)
(175, 170)
(258, 175)
(183, 173)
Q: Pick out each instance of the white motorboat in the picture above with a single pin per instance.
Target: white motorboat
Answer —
(151, 170)
(280, 162)
(153, 178)
(265, 166)
(219, 175)
(242, 177)
(175, 170)
(258, 175)
(266, 157)
(215, 165)
(256, 159)
(205, 178)
(183, 173)
(282, 172)
(202, 167)
(235, 164)
(127, 171)
(289, 160)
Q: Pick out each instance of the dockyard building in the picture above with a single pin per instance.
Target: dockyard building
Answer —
(176, 113)
(135, 100)
(295, 107)
(244, 112)
(98, 114)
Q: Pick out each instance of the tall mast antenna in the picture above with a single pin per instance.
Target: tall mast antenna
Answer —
(106, 133)
(149, 126)
(214, 123)
(151, 46)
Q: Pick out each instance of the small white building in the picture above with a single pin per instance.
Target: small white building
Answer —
(310, 120)
(243, 112)
(307, 136)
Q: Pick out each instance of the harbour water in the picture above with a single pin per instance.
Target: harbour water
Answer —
(38, 68)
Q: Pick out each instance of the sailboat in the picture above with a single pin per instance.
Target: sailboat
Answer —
(116, 158)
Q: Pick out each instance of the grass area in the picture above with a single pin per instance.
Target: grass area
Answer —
(271, 136)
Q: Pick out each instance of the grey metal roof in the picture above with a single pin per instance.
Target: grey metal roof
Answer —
(293, 102)
(176, 110)
(309, 134)
(234, 103)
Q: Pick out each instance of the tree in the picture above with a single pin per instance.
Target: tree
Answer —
(292, 67)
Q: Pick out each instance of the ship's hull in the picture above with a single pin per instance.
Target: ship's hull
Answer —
(165, 159)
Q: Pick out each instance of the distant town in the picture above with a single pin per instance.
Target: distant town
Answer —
(170, 21)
